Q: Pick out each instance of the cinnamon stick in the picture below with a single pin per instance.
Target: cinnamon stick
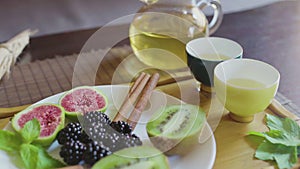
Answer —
(137, 82)
(142, 102)
(132, 96)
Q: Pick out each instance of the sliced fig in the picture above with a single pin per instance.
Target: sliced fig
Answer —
(81, 100)
(141, 157)
(50, 116)
(175, 129)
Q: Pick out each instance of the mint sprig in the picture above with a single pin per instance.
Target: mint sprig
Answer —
(29, 155)
(9, 141)
(285, 156)
(30, 131)
(281, 143)
(32, 156)
(36, 157)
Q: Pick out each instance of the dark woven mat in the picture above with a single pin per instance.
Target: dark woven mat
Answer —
(29, 83)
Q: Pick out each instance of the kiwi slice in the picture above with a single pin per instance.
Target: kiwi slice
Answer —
(140, 157)
(175, 129)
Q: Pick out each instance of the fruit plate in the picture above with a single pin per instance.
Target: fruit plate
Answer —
(203, 155)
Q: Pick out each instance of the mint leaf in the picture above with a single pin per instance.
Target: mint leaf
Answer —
(30, 131)
(35, 157)
(285, 156)
(274, 122)
(255, 133)
(282, 131)
(283, 124)
(29, 155)
(281, 143)
(32, 156)
(45, 161)
(279, 137)
(9, 141)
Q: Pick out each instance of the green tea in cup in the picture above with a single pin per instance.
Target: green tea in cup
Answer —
(204, 54)
(213, 57)
(245, 87)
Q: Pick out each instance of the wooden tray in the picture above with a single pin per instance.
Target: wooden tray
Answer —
(234, 149)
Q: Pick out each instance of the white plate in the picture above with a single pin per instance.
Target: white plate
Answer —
(203, 156)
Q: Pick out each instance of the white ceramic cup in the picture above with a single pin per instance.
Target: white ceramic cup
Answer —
(245, 87)
(203, 55)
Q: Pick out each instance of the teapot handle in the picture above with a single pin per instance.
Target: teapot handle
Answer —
(218, 14)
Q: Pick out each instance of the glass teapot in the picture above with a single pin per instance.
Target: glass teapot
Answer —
(161, 28)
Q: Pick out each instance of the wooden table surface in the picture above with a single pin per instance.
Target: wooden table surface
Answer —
(270, 34)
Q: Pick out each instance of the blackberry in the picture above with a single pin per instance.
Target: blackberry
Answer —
(72, 152)
(108, 139)
(84, 138)
(95, 117)
(116, 141)
(121, 127)
(113, 142)
(100, 138)
(128, 141)
(133, 141)
(111, 136)
(71, 132)
(135, 136)
(94, 152)
(98, 131)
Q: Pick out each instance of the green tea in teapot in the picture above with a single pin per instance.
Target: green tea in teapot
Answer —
(159, 39)
(161, 29)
